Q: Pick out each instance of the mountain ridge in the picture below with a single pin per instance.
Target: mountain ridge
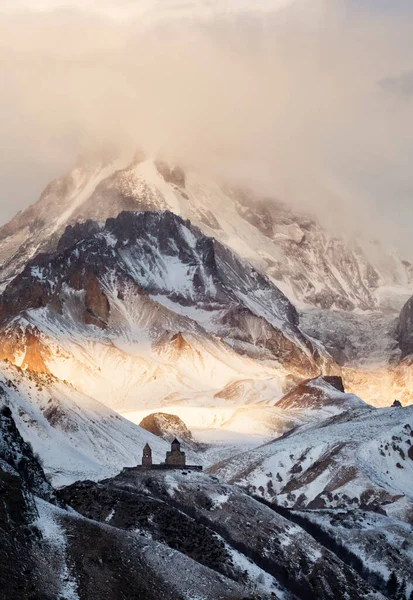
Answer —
(313, 267)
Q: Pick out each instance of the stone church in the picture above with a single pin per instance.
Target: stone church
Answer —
(175, 459)
(175, 456)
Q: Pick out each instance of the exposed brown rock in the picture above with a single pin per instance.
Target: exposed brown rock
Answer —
(179, 343)
(36, 352)
(12, 342)
(167, 427)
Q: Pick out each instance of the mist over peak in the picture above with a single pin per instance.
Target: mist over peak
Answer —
(284, 97)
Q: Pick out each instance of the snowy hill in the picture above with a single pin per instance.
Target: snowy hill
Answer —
(224, 528)
(319, 393)
(75, 436)
(358, 457)
(313, 267)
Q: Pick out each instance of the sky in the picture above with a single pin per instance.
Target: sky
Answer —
(308, 100)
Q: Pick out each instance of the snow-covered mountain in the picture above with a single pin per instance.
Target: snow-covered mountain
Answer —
(335, 281)
(135, 287)
(147, 311)
(312, 267)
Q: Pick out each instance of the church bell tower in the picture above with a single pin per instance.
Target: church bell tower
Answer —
(147, 456)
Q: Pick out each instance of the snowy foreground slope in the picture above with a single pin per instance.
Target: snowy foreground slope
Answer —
(381, 543)
(158, 536)
(148, 312)
(51, 552)
(346, 479)
(312, 266)
(75, 436)
(256, 544)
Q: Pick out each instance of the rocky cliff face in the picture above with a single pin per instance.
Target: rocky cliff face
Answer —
(405, 329)
(21, 478)
(19, 456)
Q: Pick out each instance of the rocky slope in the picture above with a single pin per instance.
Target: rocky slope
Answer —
(360, 457)
(377, 544)
(405, 329)
(224, 529)
(320, 393)
(173, 313)
(49, 552)
(310, 265)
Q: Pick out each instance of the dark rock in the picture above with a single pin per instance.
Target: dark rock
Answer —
(77, 232)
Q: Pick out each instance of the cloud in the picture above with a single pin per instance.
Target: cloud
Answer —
(285, 96)
(402, 83)
(148, 10)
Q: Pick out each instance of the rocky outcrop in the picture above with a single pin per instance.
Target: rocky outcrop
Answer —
(36, 352)
(405, 329)
(319, 393)
(19, 456)
(77, 232)
(168, 427)
(97, 307)
(26, 343)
